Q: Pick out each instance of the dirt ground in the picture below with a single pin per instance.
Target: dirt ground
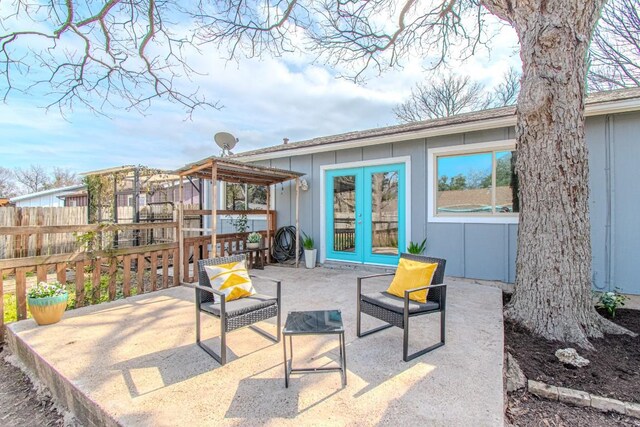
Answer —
(614, 370)
(20, 404)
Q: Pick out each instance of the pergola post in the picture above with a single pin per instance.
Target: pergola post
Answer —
(268, 223)
(180, 232)
(297, 221)
(214, 208)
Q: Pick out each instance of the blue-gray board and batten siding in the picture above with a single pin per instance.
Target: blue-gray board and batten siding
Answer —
(488, 251)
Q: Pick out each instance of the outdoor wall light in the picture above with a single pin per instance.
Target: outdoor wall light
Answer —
(304, 185)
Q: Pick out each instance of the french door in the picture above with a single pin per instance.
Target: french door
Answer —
(365, 211)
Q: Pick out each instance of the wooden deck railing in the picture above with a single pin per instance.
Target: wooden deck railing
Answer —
(197, 248)
(91, 276)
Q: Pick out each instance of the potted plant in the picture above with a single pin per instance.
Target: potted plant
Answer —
(47, 302)
(417, 249)
(253, 240)
(309, 251)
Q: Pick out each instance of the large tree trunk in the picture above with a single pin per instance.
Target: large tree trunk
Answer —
(553, 268)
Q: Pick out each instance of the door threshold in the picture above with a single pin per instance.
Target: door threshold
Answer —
(346, 265)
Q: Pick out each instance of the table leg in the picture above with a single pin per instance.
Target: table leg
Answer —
(344, 359)
(286, 368)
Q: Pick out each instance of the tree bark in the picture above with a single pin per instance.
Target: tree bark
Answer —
(553, 269)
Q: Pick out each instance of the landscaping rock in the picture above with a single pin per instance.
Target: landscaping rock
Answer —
(607, 405)
(574, 397)
(569, 356)
(632, 409)
(543, 390)
(514, 375)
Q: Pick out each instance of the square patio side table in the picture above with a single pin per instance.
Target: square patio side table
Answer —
(320, 322)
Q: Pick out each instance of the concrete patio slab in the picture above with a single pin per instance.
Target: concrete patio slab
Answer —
(134, 362)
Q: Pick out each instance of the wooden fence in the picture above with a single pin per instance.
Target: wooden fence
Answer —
(16, 246)
(91, 276)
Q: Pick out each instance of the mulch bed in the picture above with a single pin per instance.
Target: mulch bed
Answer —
(20, 405)
(614, 370)
(527, 410)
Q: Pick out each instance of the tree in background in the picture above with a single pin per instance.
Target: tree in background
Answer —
(615, 50)
(63, 177)
(8, 187)
(33, 178)
(444, 96)
(36, 178)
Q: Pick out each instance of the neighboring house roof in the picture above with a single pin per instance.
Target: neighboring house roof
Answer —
(596, 104)
(61, 190)
(4, 201)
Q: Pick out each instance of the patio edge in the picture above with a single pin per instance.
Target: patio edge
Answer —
(63, 391)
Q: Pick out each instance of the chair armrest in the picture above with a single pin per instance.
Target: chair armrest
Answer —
(376, 275)
(422, 288)
(278, 286)
(361, 278)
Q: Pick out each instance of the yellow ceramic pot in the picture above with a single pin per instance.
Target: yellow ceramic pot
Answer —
(46, 311)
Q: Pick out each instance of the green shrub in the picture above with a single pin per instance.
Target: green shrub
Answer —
(307, 241)
(417, 249)
(611, 301)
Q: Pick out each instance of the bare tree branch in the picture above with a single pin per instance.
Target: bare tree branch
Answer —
(506, 93)
(615, 49)
(34, 178)
(445, 96)
(361, 34)
(118, 53)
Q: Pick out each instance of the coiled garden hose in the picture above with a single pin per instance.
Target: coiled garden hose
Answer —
(284, 244)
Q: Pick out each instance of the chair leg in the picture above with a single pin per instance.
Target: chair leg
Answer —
(405, 342)
(223, 340)
(197, 325)
(222, 358)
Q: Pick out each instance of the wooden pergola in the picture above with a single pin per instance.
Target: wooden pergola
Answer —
(217, 169)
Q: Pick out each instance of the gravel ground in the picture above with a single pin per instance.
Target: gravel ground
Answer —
(20, 404)
(527, 410)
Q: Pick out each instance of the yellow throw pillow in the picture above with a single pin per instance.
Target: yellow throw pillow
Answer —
(231, 279)
(410, 275)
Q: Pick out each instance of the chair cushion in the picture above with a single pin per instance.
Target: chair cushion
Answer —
(394, 303)
(240, 306)
(412, 274)
(232, 279)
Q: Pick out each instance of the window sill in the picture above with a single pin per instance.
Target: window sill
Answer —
(474, 219)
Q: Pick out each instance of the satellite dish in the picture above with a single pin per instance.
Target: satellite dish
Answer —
(225, 141)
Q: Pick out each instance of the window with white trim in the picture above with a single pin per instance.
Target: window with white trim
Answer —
(475, 182)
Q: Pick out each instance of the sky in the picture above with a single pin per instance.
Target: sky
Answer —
(263, 102)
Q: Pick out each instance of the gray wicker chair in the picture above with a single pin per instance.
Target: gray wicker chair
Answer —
(397, 311)
(233, 314)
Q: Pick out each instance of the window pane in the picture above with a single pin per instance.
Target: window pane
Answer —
(344, 213)
(464, 184)
(384, 213)
(257, 197)
(235, 195)
(506, 183)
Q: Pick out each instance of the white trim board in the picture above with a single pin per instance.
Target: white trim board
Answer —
(508, 144)
(363, 163)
